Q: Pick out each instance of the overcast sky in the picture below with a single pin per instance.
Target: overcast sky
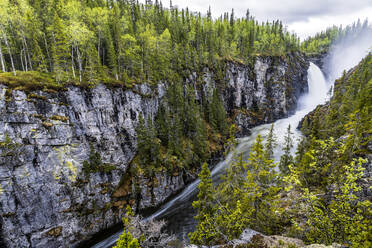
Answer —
(305, 17)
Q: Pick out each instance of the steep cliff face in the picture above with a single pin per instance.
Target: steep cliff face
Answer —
(267, 92)
(47, 196)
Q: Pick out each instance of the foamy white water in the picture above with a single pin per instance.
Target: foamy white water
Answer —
(317, 95)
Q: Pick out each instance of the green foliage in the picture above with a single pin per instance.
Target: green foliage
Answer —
(231, 141)
(328, 169)
(336, 214)
(270, 144)
(88, 42)
(126, 240)
(348, 112)
(286, 159)
(261, 190)
(29, 81)
(205, 231)
(217, 113)
(148, 144)
(95, 164)
(179, 137)
(240, 201)
(322, 164)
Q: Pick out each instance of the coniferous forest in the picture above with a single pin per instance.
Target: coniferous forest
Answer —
(173, 70)
(127, 42)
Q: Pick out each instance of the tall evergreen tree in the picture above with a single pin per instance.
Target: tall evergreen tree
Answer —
(287, 159)
(60, 51)
(261, 191)
(270, 144)
(204, 232)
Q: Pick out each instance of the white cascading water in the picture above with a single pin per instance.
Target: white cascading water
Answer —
(181, 203)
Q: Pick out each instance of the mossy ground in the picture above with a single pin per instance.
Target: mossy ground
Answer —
(33, 80)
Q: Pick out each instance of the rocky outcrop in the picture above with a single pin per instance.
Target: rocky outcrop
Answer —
(266, 92)
(319, 59)
(250, 238)
(47, 196)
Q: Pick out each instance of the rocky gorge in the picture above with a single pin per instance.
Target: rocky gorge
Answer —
(47, 199)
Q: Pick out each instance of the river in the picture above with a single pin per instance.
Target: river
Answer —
(179, 212)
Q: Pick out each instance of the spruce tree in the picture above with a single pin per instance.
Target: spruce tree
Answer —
(111, 53)
(204, 233)
(261, 191)
(217, 113)
(148, 145)
(286, 159)
(60, 51)
(233, 181)
(162, 122)
(200, 142)
(270, 144)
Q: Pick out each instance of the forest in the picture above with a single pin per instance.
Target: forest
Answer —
(49, 44)
(320, 193)
(52, 44)
(317, 195)
(124, 42)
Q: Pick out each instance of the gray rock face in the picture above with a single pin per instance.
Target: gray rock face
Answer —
(46, 199)
(319, 59)
(268, 92)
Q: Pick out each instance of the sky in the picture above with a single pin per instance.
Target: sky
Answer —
(305, 17)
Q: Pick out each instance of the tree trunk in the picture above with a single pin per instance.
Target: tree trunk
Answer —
(24, 51)
(23, 67)
(10, 54)
(80, 64)
(119, 65)
(28, 53)
(2, 59)
(47, 50)
(99, 44)
(72, 61)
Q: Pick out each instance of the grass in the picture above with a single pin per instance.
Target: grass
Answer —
(32, 80)
(29, 81)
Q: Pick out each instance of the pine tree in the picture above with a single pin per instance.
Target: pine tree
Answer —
(270, 144)
(217, 113)
(111, 53)
(287, 159)
(333, 209)
(344, 219)
(60, 51)
(93, 68)
(204, 233)
(233, 181)
(200, 139)
(148, 145)
(261, 191)
(163, 124)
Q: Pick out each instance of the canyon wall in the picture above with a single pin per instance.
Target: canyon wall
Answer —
(48, 199)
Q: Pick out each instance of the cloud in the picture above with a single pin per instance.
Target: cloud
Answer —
(305, 17)
(286, 10)
(317, 23)
(301, 10)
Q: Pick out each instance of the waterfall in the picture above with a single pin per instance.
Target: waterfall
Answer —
(179, 213)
